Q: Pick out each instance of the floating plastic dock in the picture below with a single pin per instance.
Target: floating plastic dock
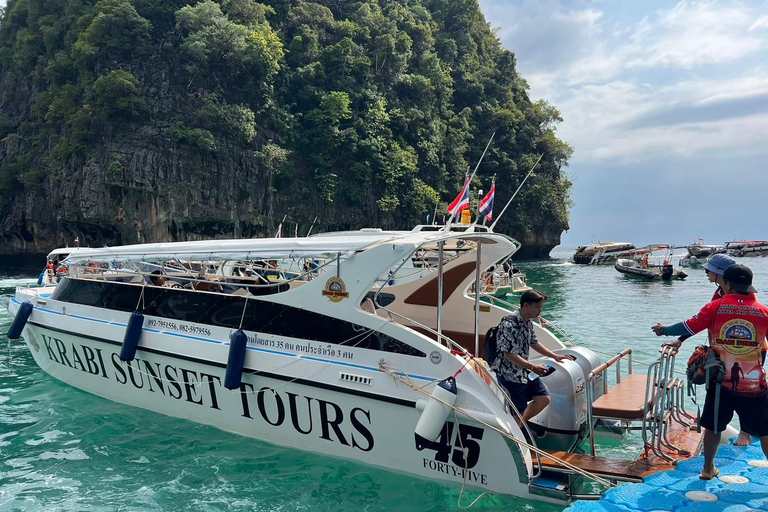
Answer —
(742, 486)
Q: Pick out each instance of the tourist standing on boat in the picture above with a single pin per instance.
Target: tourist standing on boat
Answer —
(514, 340)
(737, 325)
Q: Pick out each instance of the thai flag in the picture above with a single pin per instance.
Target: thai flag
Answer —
(486, 205)
(461, 202)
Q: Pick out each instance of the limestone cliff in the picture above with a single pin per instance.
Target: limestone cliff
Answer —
(133, 121)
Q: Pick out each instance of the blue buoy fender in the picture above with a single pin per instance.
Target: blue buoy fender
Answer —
(132, 335)
(436, 412)
(236, 360)
(20, 321)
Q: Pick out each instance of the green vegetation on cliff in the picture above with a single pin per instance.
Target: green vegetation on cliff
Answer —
(221, 118)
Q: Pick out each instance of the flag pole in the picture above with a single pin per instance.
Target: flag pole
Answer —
(450, 219)
(516, 191)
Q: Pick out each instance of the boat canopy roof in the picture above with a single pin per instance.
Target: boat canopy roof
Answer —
(266, 248)
(65, 250)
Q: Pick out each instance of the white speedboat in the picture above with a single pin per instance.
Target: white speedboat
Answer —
(344, 358)
(601, 252)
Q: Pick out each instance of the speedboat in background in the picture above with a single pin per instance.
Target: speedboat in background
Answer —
(652, 262)
(740, 248)
(601, 252)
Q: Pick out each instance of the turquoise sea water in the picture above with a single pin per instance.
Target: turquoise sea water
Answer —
(63, 449)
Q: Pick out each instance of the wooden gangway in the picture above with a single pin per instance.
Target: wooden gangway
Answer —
(624, 470)
(656, 401)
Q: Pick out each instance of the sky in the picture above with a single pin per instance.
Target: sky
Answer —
(665, 105)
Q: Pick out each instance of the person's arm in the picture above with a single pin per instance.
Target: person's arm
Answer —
(692, 326)
(541, 349)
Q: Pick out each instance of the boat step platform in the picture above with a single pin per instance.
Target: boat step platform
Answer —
(742, 486)
(687, 439)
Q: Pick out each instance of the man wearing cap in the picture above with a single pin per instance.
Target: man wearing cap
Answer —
(737, 324)
(715, 267)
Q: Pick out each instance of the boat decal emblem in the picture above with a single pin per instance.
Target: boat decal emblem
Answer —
(335, 290)
(737, 336)
(436, 357)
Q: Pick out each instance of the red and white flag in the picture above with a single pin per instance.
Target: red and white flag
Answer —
(461, 202)
(486, 205)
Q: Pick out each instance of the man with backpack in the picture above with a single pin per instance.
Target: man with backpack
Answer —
(514, 339)
(737, 325)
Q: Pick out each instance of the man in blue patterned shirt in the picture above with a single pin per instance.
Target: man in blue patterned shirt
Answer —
(514, 341)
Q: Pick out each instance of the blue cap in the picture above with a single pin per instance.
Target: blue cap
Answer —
(718, 263)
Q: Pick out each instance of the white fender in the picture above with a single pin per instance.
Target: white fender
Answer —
(435, 413)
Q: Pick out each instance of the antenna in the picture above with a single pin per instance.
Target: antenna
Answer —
(516, 191)
(280, 227)
(312, 225)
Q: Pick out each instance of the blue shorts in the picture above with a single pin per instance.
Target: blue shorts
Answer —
(522, 393)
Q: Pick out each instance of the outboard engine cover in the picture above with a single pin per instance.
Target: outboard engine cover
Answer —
(588, 361)
(562, 425)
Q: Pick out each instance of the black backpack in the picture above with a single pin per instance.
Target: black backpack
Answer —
(490, 351)
(705, 367)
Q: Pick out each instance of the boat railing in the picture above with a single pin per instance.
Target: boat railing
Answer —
(655, 399)
(549, 325)
(624, 406)
(197, 281)
(668, 405)
(440, 337)
(503, 394)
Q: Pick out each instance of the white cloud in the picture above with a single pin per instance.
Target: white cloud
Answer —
(680, 81)
(693, 34)
(743, 136)
(628, 121)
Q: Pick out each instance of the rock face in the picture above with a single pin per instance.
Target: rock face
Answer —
(123, 122)
(162, 191)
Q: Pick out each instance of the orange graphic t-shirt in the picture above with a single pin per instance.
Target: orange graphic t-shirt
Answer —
(737, 326)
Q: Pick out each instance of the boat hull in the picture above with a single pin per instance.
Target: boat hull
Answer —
(303, 408)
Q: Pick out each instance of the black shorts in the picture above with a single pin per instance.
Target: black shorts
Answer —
(521, 393)
(752, 411)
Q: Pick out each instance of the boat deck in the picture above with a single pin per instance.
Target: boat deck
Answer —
(630, 470)
(742, 486)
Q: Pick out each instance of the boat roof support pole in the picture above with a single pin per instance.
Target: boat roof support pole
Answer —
(477, 298)
(440, 247)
